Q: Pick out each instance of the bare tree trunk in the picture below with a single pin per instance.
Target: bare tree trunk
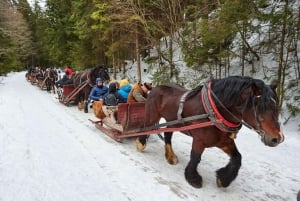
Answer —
(243, 34)
(296, 38)
(172, 66)
(228, 65)
(281, 69)
(297, 62)
(113, 58)
(138, 60)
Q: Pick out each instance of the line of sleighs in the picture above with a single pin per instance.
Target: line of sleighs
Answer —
(81, 88)
(212, 113)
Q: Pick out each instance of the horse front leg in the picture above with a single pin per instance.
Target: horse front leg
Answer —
(53, 88)
(169, 153)
(191, 174)
(228, 173)
(48, 87)
(86, 101)
(86, 105)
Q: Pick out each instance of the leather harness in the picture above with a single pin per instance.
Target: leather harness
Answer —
(212, 113)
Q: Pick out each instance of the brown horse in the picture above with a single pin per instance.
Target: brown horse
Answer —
(227, 102)
(88, 78)
(50, 77)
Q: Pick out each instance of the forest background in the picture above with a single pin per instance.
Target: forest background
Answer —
(216, 38)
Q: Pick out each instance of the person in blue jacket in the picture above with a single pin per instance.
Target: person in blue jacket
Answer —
(98, 90)
(124, 90)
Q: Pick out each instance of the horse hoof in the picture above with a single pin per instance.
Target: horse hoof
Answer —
(194, 179)
(224, 178)
(170, 155)
(172, 161)
(219, 183)
(195, 184)
(140, 147)
(222, 183)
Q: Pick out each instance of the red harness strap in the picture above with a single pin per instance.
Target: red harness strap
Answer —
(213, 113)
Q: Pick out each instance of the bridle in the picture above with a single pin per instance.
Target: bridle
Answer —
(259, 130)
(214, 114)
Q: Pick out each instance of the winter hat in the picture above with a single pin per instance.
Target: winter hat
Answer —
(112, 88)
(99, 79)
(124, 82)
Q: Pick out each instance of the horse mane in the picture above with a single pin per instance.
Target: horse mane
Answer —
(228, 90)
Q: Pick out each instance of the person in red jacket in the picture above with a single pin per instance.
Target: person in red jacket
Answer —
(69, 71)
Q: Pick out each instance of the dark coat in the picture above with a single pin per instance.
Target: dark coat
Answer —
(98, 92)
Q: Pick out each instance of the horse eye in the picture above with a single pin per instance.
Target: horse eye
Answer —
(260, 118)
(256, 99)
(274, 101)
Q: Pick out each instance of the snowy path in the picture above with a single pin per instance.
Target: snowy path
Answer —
(51, 152)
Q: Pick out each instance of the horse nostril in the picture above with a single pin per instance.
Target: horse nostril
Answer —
(274, 140)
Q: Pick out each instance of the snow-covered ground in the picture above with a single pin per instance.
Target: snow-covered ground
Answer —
(51, 152)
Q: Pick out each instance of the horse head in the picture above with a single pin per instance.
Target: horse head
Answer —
(262, 113)
(254, 102)
(53, 73)
(230, 95)
(99, 71)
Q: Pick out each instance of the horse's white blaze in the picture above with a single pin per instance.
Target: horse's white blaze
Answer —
(281, 135)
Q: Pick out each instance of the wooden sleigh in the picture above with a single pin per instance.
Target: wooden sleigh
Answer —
(127, 120)
(70, 92)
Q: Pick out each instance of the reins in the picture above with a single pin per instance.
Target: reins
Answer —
(212, 113)
(220, 123)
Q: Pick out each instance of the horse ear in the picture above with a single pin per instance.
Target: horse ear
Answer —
(257, 87)
(274, 84)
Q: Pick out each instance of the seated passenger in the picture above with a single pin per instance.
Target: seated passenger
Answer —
(98, 91)
(66, 79)
(139, 92)
(112, 98)
(124, 90)
(39, 75)
(69, 71)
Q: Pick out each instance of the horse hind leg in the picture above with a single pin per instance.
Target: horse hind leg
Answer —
(80, 105)
(141, 141)
(169, 153)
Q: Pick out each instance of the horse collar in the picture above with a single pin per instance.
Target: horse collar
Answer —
(213, 113)
(88, 77)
